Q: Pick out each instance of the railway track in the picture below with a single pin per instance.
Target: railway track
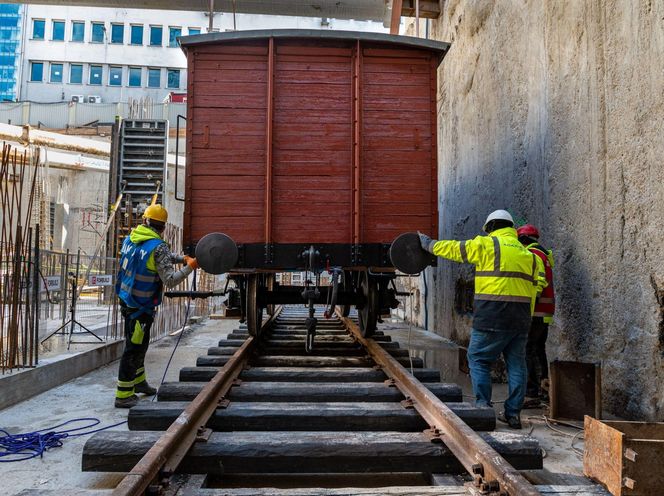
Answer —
(260, 416)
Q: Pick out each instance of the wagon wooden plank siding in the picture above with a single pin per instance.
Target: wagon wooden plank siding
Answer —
(226, 137)
(310, 137)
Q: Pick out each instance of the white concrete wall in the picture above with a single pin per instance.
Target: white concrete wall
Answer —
(127, 55)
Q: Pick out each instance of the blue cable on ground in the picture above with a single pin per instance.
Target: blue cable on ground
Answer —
(27, 445)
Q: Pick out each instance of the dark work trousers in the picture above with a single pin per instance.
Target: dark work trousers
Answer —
(538, 365)
(137, 339)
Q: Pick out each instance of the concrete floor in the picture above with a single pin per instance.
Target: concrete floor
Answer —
(93, 394)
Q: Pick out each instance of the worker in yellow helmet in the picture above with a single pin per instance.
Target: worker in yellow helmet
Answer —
(508, 278)
(146, 266)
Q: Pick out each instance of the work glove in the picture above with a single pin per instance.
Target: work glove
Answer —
(191, 262)
(426, 242)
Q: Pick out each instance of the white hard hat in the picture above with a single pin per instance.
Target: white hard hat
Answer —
(498, 215)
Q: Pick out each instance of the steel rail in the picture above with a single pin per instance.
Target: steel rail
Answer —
(163, 458)
(491, 471)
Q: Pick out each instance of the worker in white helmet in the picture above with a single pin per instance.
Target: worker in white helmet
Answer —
(508, 278)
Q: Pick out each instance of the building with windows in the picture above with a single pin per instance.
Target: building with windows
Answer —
(104, 55)
(110, 55)
(11, 21)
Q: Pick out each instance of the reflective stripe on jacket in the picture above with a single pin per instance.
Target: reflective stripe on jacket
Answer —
(137, 285)
(507, 278)
(545, 306)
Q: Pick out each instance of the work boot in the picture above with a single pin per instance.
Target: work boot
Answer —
(145, 388)
(126, 402)
(514, 422)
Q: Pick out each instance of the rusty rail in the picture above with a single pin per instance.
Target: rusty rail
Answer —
(164, 456)
(491, 471)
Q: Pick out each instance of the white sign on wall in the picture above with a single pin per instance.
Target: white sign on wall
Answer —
(50, 283)
(100, 280)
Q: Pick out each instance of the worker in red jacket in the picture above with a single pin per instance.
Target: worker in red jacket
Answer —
(545, 305)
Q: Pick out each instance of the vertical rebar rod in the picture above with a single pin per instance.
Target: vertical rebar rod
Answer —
(37, 293)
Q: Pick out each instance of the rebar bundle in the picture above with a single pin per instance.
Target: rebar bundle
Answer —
(19, 254)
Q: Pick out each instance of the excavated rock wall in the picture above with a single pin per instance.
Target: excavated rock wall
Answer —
(555, 110)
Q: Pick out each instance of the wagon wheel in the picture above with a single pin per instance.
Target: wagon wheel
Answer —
(253, 312)
(269, 284)
(346, 285)
(368, 314)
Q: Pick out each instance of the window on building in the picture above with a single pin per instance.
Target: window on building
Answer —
(96, 73)
(75, 74)
(78, 31)
(115, 76)
(37, 71)
(156, 33)
(98, 30)
(56, 73)
(136, 34)
(58, 31)
(154, 78)
(117, 33)
(193, 31)
(38, 29)
(173, 34)
(135, 74)
(173, 78)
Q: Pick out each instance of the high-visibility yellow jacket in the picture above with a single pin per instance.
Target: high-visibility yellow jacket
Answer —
(508, 278)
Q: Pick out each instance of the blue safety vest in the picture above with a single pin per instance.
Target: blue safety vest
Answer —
(137, 286)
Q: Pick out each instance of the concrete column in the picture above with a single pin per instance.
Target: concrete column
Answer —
(25, 117)
(165, 110)
(71, 118)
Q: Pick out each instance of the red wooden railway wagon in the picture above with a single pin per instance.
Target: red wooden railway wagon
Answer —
(310, 150)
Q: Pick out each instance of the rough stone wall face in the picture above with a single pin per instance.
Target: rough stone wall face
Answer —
(555, 110)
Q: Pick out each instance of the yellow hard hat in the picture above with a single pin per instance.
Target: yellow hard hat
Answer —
(156, 212)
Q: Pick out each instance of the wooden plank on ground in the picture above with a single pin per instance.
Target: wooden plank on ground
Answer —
(306, 392)
(301, 416)
(581, 490)
(296, 361)
(305, 374)
(310, 452)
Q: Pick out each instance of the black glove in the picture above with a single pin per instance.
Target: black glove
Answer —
(426, 242)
